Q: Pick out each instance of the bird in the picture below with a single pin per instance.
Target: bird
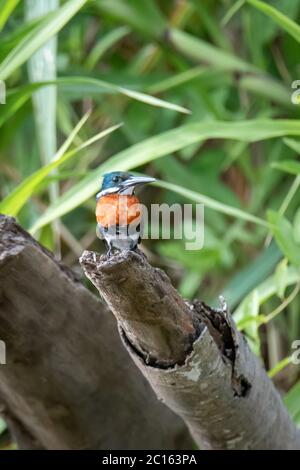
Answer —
(119, 212)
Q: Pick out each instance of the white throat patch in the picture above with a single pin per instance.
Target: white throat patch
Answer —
(114, 190)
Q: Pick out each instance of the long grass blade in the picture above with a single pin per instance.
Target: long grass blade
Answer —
(7, 8)
(212, 203)
(203, 52)
(39, 35)
(14, 202)
(92, 86)
(164, 144)
(292, 28)
(42, 67)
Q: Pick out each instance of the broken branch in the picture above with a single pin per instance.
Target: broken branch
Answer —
(193, 357)
(67, 382)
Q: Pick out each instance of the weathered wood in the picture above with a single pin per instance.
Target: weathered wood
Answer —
(213, 381)
(134, 293)
(68, 382)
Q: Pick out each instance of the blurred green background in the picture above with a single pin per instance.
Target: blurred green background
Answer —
(203, 89)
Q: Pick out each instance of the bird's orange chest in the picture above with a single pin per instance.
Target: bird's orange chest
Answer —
(116, 209)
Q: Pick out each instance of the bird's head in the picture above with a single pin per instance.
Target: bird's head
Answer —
(122, 183)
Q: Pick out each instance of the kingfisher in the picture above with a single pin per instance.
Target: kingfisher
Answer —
(118, 210)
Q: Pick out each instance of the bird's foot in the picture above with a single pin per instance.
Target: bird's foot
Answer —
(109, 252)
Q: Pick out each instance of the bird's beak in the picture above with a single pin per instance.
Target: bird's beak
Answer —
(137, 181)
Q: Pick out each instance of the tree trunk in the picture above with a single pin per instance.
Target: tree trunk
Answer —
(193, 357)
(68, 382)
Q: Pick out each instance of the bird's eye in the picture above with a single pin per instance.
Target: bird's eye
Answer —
(115, 179)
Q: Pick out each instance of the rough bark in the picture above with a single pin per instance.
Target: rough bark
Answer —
(68, 382)
(214, 382)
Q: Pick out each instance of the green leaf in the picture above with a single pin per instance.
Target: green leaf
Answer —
(251, 276)
(292, 402)
(194, 178)
(164, 144)
(6, 10)
(151, 100)
(181, 78)
(42, 66)
(14, 202)
(293, 144)
(190, 284)
(296, 226)
(267, 87)
(292, 28)
(211, 203)
(268, 288)
(249, 319)
(13, 103)
(201, 51)
(282, 231)
(142, 15)
(232, 11)
(265, 291)
(45, 29)
(14, 36)
(88, 86)
(279, 367)
(289, 166)
(280, 277)
(104, 44)
(197, 261)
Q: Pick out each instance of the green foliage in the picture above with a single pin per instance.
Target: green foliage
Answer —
(14, 202)
(292, 403)
(46, 28)
(199, 50)
(280, 277)
(6, 11)
(283, 21)
(290, 166)
(163, 144)
(282, 230)
(279, 367)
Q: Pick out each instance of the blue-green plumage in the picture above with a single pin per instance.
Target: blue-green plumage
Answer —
(114, 178)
